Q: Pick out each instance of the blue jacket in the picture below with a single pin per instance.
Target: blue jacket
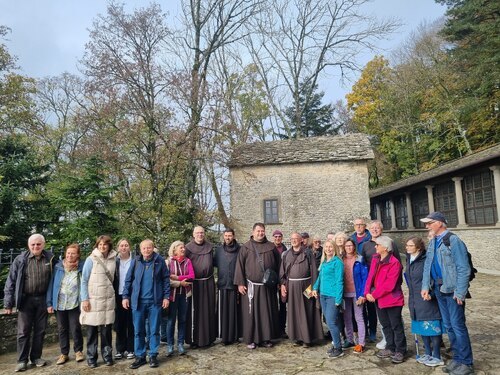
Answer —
(161, 281)
(454, 264)
(359, 274)
(359, 245)
(330, 281)
(55, 283)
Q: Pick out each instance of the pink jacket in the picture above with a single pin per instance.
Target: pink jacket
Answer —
(384, 281)
(184, 271)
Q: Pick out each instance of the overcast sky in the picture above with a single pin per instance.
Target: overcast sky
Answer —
(49, 36)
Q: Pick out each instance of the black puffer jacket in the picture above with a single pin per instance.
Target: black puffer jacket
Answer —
(419, 309)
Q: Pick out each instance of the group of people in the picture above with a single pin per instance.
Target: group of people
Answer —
(262, 291)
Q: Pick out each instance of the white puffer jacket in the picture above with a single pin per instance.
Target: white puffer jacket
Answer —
(100, 290)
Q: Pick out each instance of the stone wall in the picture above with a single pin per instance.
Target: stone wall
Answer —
(8, 332)
(313, 197)
(483, 244)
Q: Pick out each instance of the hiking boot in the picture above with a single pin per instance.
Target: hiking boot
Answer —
(385, 353)
(336, 353)
(462, 369)
(358, 349)
(450, 366)
(21, 366)
(62, 359)
(79, 357)
(398, 358)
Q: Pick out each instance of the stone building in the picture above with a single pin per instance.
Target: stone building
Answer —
(317, 184)
(466, 190)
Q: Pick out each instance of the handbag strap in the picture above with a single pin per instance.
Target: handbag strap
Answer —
(291, 265)
(261, 263)
(108, 274)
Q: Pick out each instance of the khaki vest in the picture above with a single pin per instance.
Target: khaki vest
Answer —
(101, 291)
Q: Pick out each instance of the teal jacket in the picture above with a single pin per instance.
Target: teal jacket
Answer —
(330, 281)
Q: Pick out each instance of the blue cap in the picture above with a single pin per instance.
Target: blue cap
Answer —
(434, 216)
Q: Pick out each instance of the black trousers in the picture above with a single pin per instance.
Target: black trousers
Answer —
(106, 340)
(68, 322)
(392, 324)
(370, 315)
(124, 328)
(32, 316)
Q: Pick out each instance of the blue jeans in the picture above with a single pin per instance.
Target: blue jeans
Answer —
(150, 311)
(453, 316)
(330, 312)
(177, 310)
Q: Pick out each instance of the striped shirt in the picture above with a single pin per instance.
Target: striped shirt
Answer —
(37, 276)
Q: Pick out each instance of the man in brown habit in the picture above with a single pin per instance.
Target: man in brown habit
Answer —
(259, 302)
(201, 323)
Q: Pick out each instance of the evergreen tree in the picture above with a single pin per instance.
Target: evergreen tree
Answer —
(21, 177)
(311, 118)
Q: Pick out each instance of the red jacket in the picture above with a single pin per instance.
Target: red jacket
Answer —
(384, 281)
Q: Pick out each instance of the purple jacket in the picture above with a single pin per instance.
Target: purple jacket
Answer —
(384, 281)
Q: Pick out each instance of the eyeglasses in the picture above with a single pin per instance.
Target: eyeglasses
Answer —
(316, 241)
(360, 225)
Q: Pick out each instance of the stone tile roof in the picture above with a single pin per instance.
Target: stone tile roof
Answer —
(492, 152)
(303, 150)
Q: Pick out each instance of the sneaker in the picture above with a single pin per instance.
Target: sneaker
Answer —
(180, 349)
(433, 362)
(62, 359)
(170, 350)
(163, 342)
(21, 366)
(251, 346)
(330, 351)
(139, 361)
(130, 355)
(385, 353)
(153, 361)
(336, 353)
(381, 344)
(79, 357)
(118, 355)
(348, 344)
(39, 362)
(92, 364)
(397, 358)
(358, 349)
(424, 358)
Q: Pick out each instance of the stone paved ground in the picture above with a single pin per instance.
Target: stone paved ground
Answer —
(483, 314)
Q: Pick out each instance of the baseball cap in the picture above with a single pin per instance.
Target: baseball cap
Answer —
(434, 216)
(304, 235)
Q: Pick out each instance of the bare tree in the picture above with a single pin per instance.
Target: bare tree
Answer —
(300, 41)
(209, 26)
(123, 62)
